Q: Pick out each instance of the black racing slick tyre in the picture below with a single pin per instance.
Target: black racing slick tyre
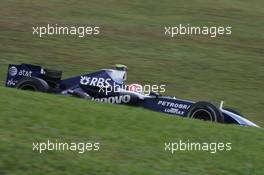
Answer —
(53, 74)
(33, 84)
(205, 111)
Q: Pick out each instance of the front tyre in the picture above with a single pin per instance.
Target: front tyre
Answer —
(205, 111)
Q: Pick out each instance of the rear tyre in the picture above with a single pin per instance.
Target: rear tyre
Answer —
(33, 84)
(53, 74)
(52, 77)
(205, 111)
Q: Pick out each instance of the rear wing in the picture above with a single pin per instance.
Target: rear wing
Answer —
(17, 72)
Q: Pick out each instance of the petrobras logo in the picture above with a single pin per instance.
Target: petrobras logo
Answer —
(115, 99)
(95, 81)
(13, 71)
(173, 105)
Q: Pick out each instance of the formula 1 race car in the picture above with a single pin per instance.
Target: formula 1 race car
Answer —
(108, 85)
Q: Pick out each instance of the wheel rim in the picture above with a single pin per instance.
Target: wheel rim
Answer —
(203, 114)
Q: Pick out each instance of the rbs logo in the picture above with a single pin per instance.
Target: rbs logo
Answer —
(94, 81)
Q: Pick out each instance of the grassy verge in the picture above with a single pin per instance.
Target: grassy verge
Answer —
(132, 139)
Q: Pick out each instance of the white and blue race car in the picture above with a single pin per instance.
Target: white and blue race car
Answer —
(108, 85)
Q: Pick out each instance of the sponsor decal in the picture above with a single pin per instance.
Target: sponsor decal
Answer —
(25, 73)
(95, 81)
(11, 82)
(115, 99)
(173, 105)
(13, 71)
(174, 108)
(174, 111)
(42, 71)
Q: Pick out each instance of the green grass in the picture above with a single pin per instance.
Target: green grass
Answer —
(228, 68)
(131, 139)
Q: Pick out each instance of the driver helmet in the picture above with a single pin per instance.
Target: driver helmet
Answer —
(121, 67)
(136, 88)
